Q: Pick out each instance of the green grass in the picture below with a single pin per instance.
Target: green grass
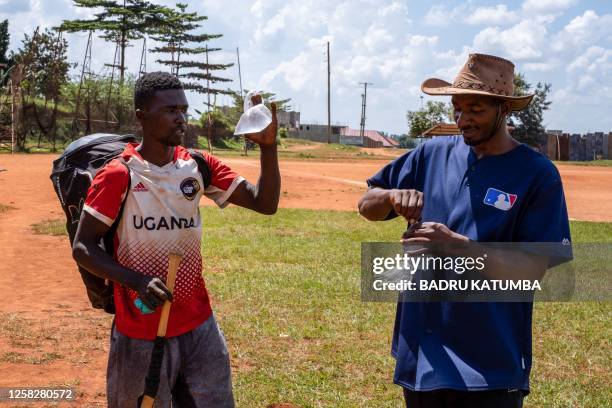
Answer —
(290, 149)
(286, 292)
(601, 162)
(50, 227)
(19, 333)
(31, 147)
(223, 144)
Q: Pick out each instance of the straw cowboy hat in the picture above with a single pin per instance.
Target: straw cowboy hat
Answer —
(481, 75)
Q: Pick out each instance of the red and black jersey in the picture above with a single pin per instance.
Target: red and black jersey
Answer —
(160, 216)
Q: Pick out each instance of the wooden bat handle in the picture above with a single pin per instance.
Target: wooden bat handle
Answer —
(147, 402)
(173, 266)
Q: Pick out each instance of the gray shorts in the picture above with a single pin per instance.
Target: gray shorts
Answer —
(195, 371)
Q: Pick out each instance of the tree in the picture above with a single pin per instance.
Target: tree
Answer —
(176, 36)
(44, 59)
(424, 118)
(4, 42)
(528, 123)
(407, 142)
(94, 94)
(121, 22)
(6, 62)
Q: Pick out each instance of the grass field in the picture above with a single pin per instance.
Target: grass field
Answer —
(286, 292)
(298, 149)
(50, 227)
(602, 162)
(288, 149)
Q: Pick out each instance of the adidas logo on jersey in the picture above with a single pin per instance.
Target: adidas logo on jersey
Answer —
(140, 188)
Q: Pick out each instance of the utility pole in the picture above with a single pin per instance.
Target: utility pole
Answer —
(116, 64)
(246, 152)
(364, 97)
(85, 69)
(328, 97)
(239, 73)
(12, 90)
(208, 118)
(143, 58)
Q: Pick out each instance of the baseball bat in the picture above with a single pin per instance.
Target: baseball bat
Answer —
(147, 399)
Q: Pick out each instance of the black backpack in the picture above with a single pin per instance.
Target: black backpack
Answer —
(72, 175)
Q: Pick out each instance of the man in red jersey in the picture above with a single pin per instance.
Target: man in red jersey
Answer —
(159, 185)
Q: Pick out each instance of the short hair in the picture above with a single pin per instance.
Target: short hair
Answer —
(151, 82)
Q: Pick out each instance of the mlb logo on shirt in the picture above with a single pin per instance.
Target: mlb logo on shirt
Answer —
(499, 199)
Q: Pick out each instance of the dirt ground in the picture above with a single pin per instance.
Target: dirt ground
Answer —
(45, 309)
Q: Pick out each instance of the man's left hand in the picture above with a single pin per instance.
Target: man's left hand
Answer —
(266, 137)
(433, 232)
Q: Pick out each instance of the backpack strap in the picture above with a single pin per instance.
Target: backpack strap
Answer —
(202, 166)
(110, 234)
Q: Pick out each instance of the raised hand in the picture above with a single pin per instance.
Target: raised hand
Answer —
(266, 137)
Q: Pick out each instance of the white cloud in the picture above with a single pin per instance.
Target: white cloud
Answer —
(418, 40)
(282, 49)
(525, 40)
(587, 93)
(595, 61)
(393, 8)
(587, 28)
(376, 37)
(439, 15)
(497, 15)
(547, 6)
(539, 66)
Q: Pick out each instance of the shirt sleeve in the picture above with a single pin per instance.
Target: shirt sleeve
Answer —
(107, 192)
(544, 220)
(223, 181)
(400, 173)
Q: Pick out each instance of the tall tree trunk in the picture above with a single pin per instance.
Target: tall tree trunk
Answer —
(122, 63)
(121, 79)
(88, 129)
(53, 125)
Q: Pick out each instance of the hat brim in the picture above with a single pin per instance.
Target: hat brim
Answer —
(435, 86)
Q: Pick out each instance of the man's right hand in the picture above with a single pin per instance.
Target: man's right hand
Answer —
(153, 292)
(407, 203)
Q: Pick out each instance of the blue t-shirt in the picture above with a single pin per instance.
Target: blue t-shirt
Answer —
(513, 197)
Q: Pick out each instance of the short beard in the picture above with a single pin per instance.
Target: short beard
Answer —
(500, 121)
(479, 141)
(172, 141)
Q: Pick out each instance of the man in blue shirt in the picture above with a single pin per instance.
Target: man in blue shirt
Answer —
(481, 186)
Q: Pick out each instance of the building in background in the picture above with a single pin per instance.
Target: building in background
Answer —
(371, 138)
(342, 134)
(441, 129)
(557, 145)
(316, 133)
(288, 120)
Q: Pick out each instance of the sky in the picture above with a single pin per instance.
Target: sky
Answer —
(395, 45)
